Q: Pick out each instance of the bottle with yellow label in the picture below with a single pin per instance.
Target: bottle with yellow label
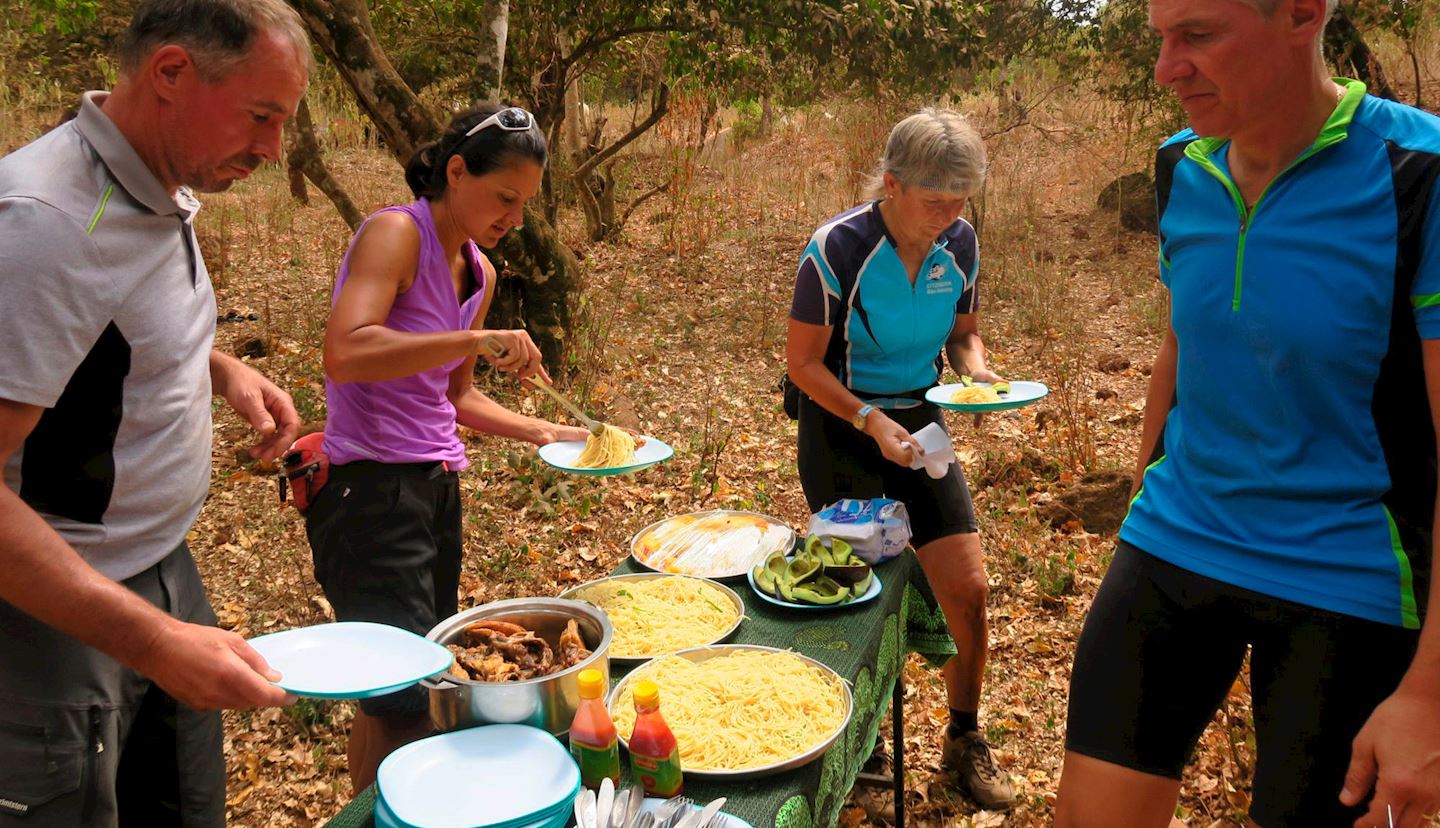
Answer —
(654, 754)
(593, 742)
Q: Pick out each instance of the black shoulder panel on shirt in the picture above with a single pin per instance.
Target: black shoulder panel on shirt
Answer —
(68, 467)
(1166, 159)
(1401, 406)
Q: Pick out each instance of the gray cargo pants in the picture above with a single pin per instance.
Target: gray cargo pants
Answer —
(86, 742)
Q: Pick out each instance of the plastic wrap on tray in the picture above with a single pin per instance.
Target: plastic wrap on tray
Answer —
(711, 544)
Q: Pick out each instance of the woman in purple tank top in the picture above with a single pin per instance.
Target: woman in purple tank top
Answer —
(405, 328)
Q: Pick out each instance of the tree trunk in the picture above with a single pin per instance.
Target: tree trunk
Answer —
(1346, 48)
(341, 28)
(572, 131)
(543, 267)
(538, 285)
(486, 82)
(547, 93)
(596, 191)
(305, 159)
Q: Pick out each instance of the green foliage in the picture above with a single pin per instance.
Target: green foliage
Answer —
(65, 16)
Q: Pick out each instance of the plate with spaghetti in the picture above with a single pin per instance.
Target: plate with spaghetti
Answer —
(980, 397)
(740, 711)
(570, 455)
(654, 613)
(720, 543)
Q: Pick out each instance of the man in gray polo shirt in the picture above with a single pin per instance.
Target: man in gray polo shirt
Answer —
(106, 375)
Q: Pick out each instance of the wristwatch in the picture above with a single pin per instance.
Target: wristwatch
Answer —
(859, 419)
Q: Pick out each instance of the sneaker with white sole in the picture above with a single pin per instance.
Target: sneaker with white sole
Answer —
(973, 761)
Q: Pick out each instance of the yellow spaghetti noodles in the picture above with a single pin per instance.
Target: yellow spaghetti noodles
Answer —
(743, 709)
(975, 394)
(613, 447)
(655, 616)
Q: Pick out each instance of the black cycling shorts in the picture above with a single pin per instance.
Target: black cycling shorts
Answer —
(1161, 648)
(386, 540)
(836, 461)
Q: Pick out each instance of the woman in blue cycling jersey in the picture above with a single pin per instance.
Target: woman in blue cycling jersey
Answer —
(883, 291)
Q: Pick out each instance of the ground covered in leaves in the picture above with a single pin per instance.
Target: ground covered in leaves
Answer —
(683, 337)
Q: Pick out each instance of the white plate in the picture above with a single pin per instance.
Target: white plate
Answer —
(870, 592)
(720, 543)
(1022, 393)
(350, 659)
(469, 777)
(563, 454)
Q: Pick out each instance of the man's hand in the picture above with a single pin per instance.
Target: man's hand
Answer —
(209, 668)
(1397, 753)
(894, 441)
(260, 401)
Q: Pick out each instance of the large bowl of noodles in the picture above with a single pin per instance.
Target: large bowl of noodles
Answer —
(741, 711)
(654, 613)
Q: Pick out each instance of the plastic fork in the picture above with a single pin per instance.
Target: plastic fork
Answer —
(671, 811)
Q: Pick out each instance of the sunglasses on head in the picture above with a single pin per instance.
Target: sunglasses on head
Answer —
(512, 119)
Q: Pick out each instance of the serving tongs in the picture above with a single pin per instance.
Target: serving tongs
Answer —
(498, 350)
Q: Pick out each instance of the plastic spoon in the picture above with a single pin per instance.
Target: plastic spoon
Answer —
(585, 808)
(604, 803)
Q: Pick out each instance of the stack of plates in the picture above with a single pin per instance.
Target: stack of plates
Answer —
(498, 776)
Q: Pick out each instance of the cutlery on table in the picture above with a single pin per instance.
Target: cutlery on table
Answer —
(604, 802)
(585, 808)
(711, 814)
(671, 811)
(697, 819)
(633, 799)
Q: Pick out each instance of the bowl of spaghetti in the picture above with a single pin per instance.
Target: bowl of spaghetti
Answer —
(741, 711)
(654, 614)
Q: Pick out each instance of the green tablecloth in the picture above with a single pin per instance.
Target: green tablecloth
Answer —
(864, 643)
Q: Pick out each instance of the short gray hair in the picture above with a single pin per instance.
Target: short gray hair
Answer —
(1267, 7)
(935, 149)
(217, 33)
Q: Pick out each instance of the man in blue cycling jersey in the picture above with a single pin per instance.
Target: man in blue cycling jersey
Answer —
(1285, 495)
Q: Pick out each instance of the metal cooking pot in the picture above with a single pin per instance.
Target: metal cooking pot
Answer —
(548, 702)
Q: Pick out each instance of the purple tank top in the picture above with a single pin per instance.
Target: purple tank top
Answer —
(411, 419)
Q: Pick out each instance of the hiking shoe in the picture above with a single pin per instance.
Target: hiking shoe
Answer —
(970, 756)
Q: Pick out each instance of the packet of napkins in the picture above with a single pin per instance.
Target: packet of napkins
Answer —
(939, 451)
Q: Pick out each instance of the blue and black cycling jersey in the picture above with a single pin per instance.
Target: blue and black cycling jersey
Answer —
(888, 335)
(1298, 459)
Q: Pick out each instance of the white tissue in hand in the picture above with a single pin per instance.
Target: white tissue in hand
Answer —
(939, 452)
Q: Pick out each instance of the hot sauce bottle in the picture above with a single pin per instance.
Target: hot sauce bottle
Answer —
(654, 756)
(592, 734)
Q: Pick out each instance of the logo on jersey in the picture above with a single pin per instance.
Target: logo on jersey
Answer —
(936, 273)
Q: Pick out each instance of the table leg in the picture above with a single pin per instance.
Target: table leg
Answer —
(897, 739)
(897, 752)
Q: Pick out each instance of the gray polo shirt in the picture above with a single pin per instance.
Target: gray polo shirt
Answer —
(106, 320)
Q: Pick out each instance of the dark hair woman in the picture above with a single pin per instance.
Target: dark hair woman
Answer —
(405, 330)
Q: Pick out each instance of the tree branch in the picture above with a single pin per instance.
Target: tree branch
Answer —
(304, 155)
(657, 112)
(653, 191)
